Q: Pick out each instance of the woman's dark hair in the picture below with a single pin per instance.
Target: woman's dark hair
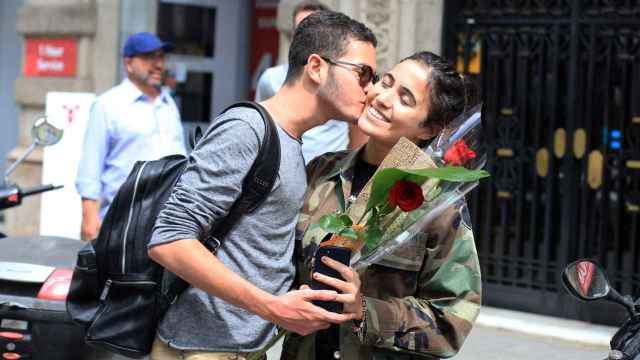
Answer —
(451, 92)
(326, 33)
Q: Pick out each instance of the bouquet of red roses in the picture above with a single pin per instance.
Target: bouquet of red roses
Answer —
(401, 201)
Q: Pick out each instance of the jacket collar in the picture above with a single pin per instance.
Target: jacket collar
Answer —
(343, 171)
(344, 167)
(133, 94)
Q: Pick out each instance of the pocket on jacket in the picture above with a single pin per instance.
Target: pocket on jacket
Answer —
(127, 314)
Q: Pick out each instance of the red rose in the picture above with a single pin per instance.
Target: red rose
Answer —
(406, 194)
(458, 154)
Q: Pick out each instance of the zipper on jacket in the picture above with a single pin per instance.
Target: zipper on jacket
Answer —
(126, 228)
(105, 290)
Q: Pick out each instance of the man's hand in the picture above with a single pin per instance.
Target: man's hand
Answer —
(294, 311)
(190, 260)
(351, 296)
(90, 220)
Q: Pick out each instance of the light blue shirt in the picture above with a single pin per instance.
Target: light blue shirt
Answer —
(330, 136)
(125, 127)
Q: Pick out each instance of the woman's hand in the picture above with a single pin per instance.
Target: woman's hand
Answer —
(351, 296)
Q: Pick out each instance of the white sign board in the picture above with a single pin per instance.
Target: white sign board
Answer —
(61, 211)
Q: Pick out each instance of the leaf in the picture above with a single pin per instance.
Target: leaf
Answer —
(450, 173)
(386, 178)
(345, 220)
(372, 236)
(349, 233)
(331, 223)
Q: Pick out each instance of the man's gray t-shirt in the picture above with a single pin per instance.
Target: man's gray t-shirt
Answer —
(259, 247)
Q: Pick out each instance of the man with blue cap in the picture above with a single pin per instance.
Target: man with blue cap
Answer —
(135, 120)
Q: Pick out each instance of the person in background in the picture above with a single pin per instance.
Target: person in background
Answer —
(334, 135)
(170, 86)
(132, 121)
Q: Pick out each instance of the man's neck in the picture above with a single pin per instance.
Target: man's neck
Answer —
(149, 91)
(295, 109)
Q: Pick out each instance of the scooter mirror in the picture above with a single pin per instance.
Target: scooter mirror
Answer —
(45, 134)
(586, 280)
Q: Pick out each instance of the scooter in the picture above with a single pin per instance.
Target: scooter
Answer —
(35, 275)
(588, 281)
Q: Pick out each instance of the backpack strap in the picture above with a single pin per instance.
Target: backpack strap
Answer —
(264, 171)
(195, 136)
(256, 187)
(259, 181)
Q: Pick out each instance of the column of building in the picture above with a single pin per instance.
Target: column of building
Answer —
(90, 29)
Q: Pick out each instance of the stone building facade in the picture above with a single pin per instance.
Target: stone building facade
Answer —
(401, 26)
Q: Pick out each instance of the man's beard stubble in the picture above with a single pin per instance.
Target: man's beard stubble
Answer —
(145, 79)
(330, 95)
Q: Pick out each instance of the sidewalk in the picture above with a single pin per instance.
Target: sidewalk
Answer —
(492, 344)
(546, 326)
(505, 334)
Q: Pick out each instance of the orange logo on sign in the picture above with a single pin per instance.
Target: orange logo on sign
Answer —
(51, 57)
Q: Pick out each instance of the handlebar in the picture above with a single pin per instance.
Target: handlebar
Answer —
(40, 189)
(11, 196)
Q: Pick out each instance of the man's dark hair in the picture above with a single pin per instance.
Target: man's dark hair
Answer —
(308, 5)
(326, 33)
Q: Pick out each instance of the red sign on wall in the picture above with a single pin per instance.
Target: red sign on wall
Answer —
(264, 39)
(51, 57)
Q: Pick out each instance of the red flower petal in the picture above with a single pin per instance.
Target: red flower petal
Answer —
(458, 154)
(407, 195)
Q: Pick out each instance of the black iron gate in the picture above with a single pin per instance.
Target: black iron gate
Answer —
(561, 88)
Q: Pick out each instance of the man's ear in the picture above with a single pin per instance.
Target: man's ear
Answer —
(314, 68)
(127, 64)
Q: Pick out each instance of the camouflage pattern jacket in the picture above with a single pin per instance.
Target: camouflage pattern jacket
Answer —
(421, 302)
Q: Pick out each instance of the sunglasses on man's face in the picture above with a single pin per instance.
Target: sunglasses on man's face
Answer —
(365, 73)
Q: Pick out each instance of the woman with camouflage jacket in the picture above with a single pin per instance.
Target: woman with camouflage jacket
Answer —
(421, 302)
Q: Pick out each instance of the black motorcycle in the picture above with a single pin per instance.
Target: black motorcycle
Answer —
(588, 281)
(35, 274)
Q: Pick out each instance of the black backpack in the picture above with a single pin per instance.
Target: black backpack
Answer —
(117, 292)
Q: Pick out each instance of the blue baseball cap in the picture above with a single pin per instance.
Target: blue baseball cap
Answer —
(144, 42)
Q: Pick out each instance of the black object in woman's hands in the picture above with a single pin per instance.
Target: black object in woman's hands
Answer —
(340, 254)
